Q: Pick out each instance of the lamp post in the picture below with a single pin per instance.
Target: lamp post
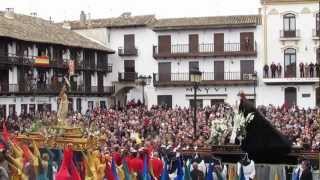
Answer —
(195, 79)
(144, 80)
(254, 78)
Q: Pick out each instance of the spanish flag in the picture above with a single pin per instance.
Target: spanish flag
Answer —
(42, 61)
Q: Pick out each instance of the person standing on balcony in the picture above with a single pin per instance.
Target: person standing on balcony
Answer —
(273, 70)
(266, 71)
(311, 69)
(301, 68)
(279, 70)
(306, 69)
(317, 66)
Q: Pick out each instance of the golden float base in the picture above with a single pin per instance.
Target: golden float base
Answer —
(65, 136)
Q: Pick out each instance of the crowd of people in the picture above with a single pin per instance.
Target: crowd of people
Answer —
(172, 126)
(135, 131)
(305, 69)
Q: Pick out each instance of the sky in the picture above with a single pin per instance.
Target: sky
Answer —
(60, 10)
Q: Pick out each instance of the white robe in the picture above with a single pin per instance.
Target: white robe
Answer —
(249, 170)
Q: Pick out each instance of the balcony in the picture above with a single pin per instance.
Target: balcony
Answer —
(208, 78)
(53, 89)
(292, 35)
(127, 52)
(127, 76)
(315, 34)
(12, 59)
(205, 50)
(290, 78)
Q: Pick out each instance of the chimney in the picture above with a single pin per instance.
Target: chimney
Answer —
(9, 13)
(82, 18)
(126, 14)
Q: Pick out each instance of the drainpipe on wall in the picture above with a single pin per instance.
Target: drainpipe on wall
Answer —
(265, 34)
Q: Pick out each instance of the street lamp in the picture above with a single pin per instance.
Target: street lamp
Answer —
(195, 79)
(144, 80)
(254, 78)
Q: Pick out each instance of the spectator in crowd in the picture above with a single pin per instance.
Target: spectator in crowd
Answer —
(306, 69)
(273, 68)
(317, 66)
(301, 69)
(266, 71)
(279, 70)
(311, 69)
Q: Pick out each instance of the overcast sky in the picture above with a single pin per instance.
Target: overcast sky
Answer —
(61, 10)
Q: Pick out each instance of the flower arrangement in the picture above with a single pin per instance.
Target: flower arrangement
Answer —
(220, 128)
(235, 125)
(240, 122)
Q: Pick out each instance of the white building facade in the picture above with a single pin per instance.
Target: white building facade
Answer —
(225, 52)
(290, 39)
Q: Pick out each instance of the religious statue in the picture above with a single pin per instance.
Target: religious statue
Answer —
(62, 113)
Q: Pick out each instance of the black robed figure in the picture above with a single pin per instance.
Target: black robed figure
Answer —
(263, 142)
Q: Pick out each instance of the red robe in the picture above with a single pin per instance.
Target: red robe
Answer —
(136, 165)
(68, 170)
(108, 172)
(157, 167)
(117, 158)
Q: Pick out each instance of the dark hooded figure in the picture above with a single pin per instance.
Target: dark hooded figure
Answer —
(263, 141)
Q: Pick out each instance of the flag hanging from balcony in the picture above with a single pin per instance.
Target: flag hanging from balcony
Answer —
(41, 61)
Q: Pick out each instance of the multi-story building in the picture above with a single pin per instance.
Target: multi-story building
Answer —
(132, 37)
(291, 40)
(223, 48)
(34, 58)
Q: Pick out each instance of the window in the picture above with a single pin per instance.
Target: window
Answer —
(290, 62)
(103, 105)
(217, 101)
(90, 105)
(199, 103)
(78, 105)
(193, 66)
(289, 25)
(165, 100)
(24, 108)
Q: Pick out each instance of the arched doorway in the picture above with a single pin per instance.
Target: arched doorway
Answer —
(290, 96)
(318, 96)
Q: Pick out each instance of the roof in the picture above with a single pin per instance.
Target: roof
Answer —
(207, 22)
(34, 29)
(117, 22)
(287, 1)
